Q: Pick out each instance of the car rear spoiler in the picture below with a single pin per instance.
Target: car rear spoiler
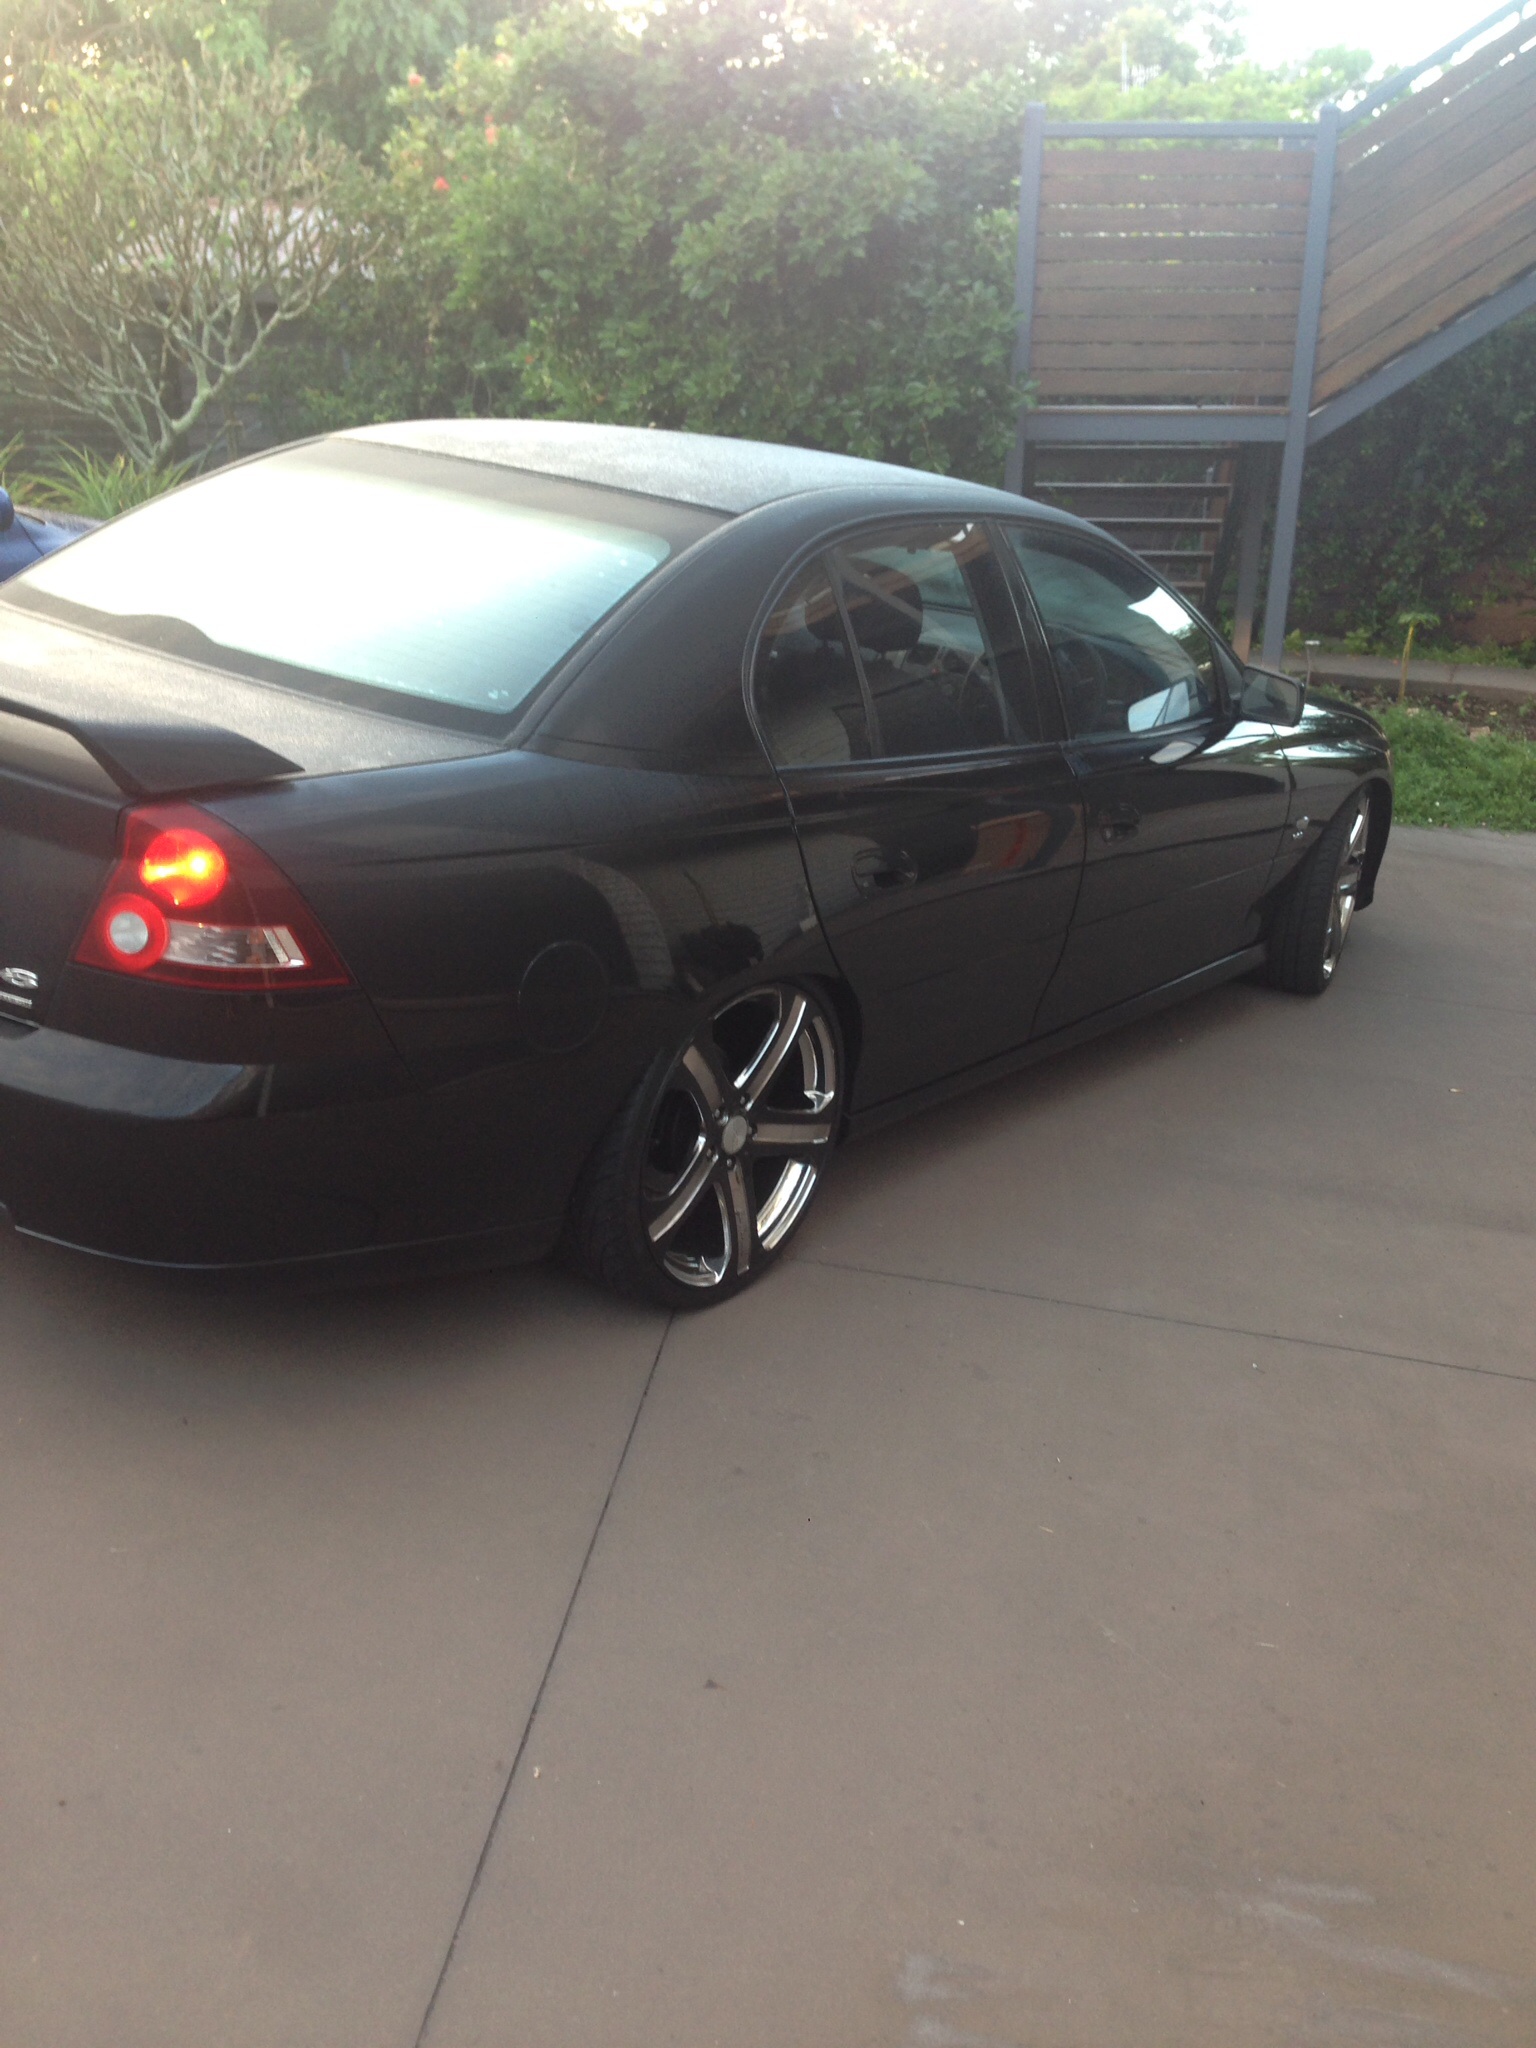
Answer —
(165, 760)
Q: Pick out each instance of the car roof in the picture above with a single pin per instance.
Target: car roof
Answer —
(706, 470)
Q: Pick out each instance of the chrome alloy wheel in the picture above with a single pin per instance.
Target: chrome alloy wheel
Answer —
(1346, 888)
(740, 1135)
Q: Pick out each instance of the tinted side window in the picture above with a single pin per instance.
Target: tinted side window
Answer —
(806, 681)
(939, 641)
(1129, 655)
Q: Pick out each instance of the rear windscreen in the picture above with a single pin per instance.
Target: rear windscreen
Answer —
(354, 568)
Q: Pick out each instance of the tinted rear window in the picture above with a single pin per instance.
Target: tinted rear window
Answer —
(352, 568)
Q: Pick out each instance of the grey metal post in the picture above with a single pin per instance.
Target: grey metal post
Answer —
(1250, 547)
(1313, 269)
(1018, 455)
(1030, 169)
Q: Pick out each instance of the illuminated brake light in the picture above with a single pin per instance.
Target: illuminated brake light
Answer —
(184, 868)
(254, 930)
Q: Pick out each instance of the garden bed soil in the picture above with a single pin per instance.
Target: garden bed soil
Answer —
(1511, 718)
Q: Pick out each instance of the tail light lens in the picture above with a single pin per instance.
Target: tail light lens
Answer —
(184, 867)
(191, 901)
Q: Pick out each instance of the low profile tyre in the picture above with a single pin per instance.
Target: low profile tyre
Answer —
(708, 1170)
(1314, 919)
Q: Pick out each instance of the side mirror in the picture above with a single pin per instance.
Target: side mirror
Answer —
(1274, 698)
(7, 511)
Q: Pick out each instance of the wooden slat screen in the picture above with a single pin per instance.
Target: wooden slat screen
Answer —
(1169, 274)
(1434, 208)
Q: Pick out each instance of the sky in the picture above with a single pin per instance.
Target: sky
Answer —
(1396, 32)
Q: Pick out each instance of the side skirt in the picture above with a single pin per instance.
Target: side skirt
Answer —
(875, 1118)
(363, 1265)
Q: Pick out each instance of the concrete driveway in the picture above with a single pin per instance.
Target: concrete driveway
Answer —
(1083, 1601)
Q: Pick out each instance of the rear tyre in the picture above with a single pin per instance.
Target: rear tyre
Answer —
(1315, 916)
(707, 1171)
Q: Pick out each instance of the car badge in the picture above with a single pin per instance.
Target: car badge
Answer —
(17, 978)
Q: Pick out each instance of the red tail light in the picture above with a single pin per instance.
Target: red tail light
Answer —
(193, 902)
(184, 868)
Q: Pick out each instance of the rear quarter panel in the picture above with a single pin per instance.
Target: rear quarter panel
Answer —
(444, 885)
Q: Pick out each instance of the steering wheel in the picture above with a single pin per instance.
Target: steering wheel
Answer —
(1084, 679)
(975, 704)
(980, 712)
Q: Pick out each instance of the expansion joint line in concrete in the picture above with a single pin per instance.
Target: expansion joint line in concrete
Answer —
(538, 1698)
(1143, 1315)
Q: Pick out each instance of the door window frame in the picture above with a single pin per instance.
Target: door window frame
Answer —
(1227, 667)
(1032, 639)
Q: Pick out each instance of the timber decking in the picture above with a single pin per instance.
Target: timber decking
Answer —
(1170, 274)
(1434, 209)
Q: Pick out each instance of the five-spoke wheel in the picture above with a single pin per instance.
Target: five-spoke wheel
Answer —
(1314, 916)
(1346, 886)
(713, 1163)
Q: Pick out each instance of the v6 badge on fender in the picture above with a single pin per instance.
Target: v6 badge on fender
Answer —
(16, 978)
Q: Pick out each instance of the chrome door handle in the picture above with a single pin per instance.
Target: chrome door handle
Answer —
(1117, 821)
(877, 868)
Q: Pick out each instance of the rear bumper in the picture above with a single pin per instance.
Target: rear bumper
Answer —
(182, 1163)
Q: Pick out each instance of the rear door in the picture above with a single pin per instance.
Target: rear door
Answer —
(899, 694)
(1185, 801)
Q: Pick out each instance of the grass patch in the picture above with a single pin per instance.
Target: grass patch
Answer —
(1446, 776)
(81, 482)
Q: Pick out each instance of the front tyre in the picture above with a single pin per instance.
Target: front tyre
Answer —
(707, 1171)
(1314, 919)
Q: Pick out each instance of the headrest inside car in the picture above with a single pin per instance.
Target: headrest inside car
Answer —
(885, 609)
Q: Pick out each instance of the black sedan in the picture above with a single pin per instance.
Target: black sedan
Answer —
(492, 834)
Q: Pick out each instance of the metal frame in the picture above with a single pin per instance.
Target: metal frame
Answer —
(1250, 551)
(1314, 262)
(1171, 131)
(1163, 426)
(1293, 428)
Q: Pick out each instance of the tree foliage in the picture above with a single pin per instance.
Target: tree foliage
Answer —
(740, 218)
(720, 214)
(704, 223)
(354, 53)
(1402, 505)
(157, 228)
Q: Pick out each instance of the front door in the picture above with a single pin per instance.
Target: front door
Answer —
(937, 815)
(1185, 802)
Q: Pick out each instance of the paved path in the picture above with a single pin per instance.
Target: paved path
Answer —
(1083, 1601)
